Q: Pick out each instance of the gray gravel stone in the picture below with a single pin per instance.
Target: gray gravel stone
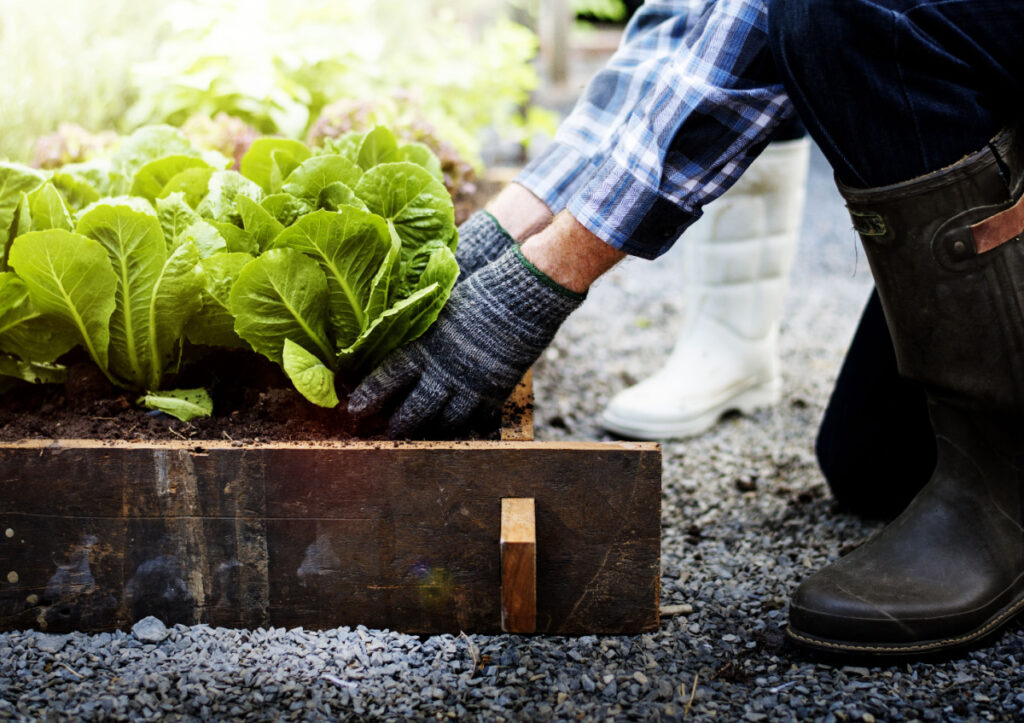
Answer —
(51, 643)
(150, 630)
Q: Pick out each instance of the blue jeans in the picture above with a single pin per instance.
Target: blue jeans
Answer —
(891, 90)
(894, 89)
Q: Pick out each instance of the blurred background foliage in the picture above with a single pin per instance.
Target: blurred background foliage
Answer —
(232, 68)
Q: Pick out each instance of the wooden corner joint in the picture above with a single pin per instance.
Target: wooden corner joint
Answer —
(518, 565)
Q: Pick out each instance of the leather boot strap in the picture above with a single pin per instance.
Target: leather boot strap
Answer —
(996, 230)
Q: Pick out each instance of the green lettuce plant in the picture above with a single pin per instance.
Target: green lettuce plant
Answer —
(323, 261)
(365, 265)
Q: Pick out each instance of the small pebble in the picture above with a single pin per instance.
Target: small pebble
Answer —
(150, 630)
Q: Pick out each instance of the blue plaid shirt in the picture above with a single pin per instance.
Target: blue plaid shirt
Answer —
(686, 103)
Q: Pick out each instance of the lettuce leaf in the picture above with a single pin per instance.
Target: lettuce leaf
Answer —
(282, 295)
(69, 276)
(213, 324)
(15, 179)
(378, 146)
(32, 372)
(317, 173)
(286, 208)
(151, 180)
(221, 201)
(25, 330)
(48, 209)
(259, 222)
(156, 294)
(419, 208)
(147, 144)
(313, 379)
(269, 155)
(350, 248)
(407, 319)
(192, 184)
(183, 404)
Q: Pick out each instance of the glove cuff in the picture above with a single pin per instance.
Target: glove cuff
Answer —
(547, 280)
(481, 240)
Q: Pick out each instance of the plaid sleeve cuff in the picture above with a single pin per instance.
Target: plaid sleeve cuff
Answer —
(627, 214)
(555, 175)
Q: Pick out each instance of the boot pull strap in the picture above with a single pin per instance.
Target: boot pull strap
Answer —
(996, 230)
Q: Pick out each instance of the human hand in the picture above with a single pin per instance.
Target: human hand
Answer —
(490, 333)
(512, 216)
(481, 240)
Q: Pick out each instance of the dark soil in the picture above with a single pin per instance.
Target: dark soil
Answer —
(253, 401)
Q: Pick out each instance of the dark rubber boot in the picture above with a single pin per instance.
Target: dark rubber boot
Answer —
(948, 259)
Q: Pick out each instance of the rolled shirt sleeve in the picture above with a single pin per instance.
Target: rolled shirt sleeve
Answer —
(676, 116)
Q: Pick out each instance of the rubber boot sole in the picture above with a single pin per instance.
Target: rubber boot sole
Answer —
(918, 648)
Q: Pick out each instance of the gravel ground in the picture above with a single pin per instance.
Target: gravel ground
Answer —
(746, 517)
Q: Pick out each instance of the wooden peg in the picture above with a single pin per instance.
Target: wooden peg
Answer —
(518, 565)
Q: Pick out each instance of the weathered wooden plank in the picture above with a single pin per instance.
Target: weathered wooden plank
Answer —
(518, 565)
(397, 535)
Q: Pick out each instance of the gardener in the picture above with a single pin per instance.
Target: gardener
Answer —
(951, 568)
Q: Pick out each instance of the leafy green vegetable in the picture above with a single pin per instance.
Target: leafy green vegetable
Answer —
(221, 201)
(156, 292)
(147, 144)
(378, 146)
(213, 324)
(419, 209)
(175, 216)
(310, 375)
(322, 262)
(48, 209)
(259, 162)
(184, 404)
(77, 191)
(314, 175)
(336, 196)
(24, 330)
(32, 372)
(192, 183)
(259, 222)
(150, 180)
(285, 207)
(407, 319)
(282, 295)
(69, 276)
(14, 180)
(350, 247)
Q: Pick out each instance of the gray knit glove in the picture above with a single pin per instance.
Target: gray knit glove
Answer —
(491, 332)
(481, 241)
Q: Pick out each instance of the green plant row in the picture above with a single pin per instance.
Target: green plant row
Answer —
(321, 260)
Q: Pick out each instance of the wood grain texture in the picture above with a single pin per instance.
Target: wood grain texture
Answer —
(518, 565)
(390, 535)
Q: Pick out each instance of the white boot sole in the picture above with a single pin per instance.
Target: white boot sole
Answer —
(746, 402)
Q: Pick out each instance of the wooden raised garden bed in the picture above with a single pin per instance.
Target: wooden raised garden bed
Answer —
(96, 535)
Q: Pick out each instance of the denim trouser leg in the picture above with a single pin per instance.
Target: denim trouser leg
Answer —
(893, 89)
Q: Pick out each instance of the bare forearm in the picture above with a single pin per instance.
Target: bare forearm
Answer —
(519, 212)
(569, 254)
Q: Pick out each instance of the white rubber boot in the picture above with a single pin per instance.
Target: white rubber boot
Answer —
(736, 268)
